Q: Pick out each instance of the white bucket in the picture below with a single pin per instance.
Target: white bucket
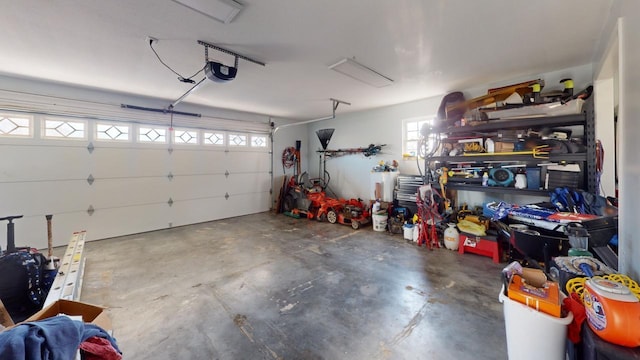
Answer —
(379, 222)
(532, 334)
(408, 231)
(416, 232)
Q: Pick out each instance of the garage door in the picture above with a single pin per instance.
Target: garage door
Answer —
(101, 171)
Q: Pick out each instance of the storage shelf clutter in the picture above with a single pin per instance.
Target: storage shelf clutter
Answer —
(544, 152)
(549, 156)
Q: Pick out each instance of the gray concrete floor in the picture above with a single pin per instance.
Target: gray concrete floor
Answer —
(268, 286)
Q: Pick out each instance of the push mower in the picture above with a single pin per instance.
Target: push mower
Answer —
(346, 212)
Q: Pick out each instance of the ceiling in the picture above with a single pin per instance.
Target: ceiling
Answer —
(427, 47)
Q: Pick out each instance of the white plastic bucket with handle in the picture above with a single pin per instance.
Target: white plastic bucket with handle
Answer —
(379, 222)
(531, 334)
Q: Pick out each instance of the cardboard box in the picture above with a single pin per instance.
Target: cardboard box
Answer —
(534, 290)
(90, 313)
(501, 146)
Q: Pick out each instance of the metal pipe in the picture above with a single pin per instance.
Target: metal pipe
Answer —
(335, 102)
(193, 88)
(302, 122)
(164, 111)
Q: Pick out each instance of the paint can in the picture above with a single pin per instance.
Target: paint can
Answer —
(379, 222)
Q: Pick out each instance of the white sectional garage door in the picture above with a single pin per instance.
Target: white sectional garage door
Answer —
(113, 178)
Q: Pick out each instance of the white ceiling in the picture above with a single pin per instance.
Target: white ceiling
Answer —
(428, 47)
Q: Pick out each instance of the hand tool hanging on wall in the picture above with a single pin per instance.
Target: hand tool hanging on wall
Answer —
(324, 136)
(368, 151)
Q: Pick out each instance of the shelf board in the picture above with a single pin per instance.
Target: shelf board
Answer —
(497, 189)
(491, 125)
(502, 157)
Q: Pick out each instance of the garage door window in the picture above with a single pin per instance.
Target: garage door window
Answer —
(237, 140)
(112, 132)
(213, 138)
(11, 125)
(185, 137)
(258, 141)
(152, 135)
(64, 129)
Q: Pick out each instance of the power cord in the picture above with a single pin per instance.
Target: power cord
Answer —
(183, 79)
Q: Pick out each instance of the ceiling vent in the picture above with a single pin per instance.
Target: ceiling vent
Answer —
(222, 10)
(357, 71)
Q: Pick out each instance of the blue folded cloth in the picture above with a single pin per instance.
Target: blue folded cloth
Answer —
(56, 338)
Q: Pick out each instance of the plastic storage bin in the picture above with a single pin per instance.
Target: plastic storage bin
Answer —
(532, 334)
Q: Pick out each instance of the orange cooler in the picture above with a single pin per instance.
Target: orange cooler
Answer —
(613, 312)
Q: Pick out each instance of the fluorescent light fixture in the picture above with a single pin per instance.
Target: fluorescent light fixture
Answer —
(221, 10)
(357, 71)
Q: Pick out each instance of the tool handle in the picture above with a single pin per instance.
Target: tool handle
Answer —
(586, 268)
(10, 218)
(49, 235)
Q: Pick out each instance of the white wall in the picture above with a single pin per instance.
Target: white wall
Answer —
(605, 131)
(629, 108)
(350, 173)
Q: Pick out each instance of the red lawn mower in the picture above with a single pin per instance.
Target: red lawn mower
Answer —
(345, 212)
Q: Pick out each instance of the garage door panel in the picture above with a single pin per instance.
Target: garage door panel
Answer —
(193, 187)
(23, 163)
(248, 203)
(44, 197)
(199, 210)
(198, 162)
(32, 230)
(248, 183)
(248, 161)
(106, 223)
(128, 192)
(131, 186)
(128, 162)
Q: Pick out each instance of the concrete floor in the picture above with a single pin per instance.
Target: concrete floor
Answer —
(267, 286)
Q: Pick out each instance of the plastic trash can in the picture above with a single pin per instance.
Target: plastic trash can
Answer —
(532, 334)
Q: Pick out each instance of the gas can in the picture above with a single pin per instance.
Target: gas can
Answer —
(613, 312)
(451, 237)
